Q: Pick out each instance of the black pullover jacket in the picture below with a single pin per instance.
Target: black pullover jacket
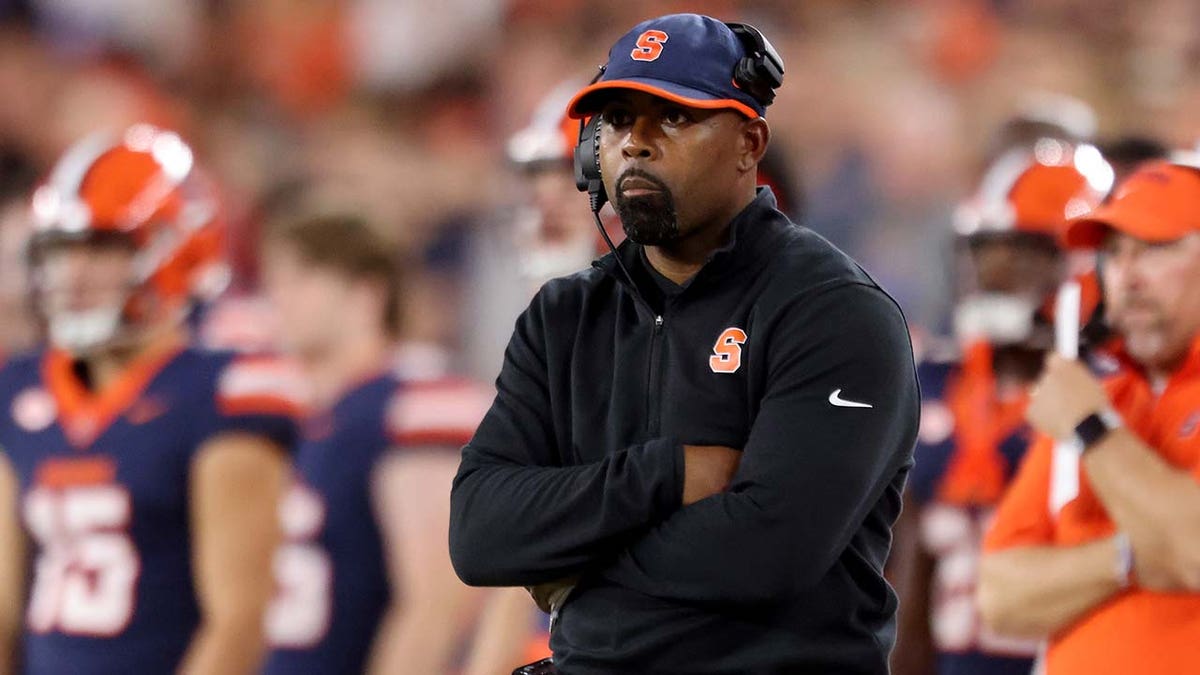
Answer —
(577, 469)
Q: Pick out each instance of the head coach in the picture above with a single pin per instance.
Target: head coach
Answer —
(708, 432)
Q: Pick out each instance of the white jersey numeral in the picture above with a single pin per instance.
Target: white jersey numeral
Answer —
(298, 616)
(954, 536)
(85, 575)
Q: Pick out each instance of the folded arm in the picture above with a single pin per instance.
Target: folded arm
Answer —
(1035, 591)
(520, 518)
(1155, 504)
(813, 466)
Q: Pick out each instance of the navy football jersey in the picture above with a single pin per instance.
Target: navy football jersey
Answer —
(951, 529)
(332, 587)
(104, 498)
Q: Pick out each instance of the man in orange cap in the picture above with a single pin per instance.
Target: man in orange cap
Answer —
(1111, 577)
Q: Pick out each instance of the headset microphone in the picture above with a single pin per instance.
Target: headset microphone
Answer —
(588, 178)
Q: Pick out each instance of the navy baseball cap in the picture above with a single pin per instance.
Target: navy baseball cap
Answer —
(685, 58)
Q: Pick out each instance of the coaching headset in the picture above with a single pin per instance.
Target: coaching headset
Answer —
(759, 73)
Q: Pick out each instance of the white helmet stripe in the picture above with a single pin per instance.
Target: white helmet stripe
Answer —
(56, 205)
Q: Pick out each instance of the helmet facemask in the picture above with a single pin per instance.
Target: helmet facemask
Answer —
(75, 322)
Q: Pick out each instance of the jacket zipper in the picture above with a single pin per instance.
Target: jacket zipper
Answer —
(654, 378)
(654, 365)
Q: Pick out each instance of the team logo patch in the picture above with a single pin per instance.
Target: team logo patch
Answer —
(649, 46)
(34, 409)
(727, 352)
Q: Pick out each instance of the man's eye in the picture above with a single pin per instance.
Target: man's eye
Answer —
(615, 117)
(676, 116)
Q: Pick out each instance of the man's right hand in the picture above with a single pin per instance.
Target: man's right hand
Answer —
(707, 470)
(551, 595)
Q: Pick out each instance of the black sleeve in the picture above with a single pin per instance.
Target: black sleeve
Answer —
(812, 470)
(520, 518)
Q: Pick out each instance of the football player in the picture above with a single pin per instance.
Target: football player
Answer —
(363, 581)
(139, 475)
(973, 432)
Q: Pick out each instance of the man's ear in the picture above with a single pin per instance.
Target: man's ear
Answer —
(755, 135)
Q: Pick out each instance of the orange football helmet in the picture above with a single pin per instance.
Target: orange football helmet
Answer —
(1026, 197)
(143, 187)
(1037, 189)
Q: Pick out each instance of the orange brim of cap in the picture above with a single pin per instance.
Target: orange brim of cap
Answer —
(577, 111)
(1090, 230)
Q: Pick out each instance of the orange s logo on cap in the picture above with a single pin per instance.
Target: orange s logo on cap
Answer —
(649, 46)
(727, 352)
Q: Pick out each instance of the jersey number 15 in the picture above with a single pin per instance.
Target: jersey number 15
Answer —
(87, 567)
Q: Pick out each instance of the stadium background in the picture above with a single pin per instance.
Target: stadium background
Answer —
(401, 109)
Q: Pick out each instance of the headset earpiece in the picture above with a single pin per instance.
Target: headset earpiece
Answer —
(760, 72)
(587, 158)
(587, 162)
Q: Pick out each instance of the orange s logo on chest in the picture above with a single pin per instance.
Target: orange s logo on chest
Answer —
(727, 352)
(649, 46)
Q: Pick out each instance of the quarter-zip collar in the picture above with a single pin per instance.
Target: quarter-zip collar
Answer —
(754, 235)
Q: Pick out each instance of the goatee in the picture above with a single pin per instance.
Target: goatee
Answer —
(649, 219)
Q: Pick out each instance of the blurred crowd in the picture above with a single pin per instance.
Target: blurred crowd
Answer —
(435, 121)
(403, 109)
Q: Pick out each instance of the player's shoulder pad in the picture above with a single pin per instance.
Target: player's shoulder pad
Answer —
(260, 385)
(237, 324)
(442, 412)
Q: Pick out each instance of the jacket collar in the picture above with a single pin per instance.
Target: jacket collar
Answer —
(754, 234)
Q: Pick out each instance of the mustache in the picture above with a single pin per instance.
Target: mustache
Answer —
(1119, 314)
(643, 175)
(1138, 303)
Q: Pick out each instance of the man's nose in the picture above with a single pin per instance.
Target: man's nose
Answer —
(1127, 267)
(641, 141)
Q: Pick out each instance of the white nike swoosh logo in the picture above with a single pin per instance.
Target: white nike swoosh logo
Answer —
(836, 399)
